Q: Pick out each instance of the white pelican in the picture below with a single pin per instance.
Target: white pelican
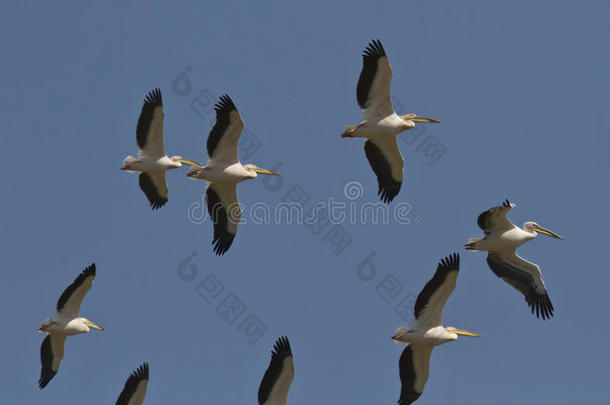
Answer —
(65, 323)
(223, 171)
(135, 387)
(153, 162)
(278, 377)
(380, 124)
(501, 240)
(427, 330)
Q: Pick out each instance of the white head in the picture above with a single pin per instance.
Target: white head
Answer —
(534, 229)
(254, 169)
(411, 119)
(179, 161)
(457, 332)
(88, 324)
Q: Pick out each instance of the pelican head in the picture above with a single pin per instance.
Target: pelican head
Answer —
(411, 119)
(90, 324)
(180, 161)
(255, 169)
(461, 332)
(534, 228)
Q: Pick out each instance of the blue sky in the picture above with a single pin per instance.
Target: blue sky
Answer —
(521, 89)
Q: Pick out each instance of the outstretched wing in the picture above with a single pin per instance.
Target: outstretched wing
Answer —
(225, 213)
(154, 186)
(495, 219)
(51, 353)
(373, 90)
(431, 300)
(387, 163)
(278, 377)
(134, 390)
(149, 132)
(414, 368)
(525, 277)
(223, 138)
(68, 305)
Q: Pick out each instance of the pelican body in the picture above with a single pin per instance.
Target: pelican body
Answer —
(223, 171)
(66, 322)
(152, 162)
(427, 330)
(502, 238)
(380, 124)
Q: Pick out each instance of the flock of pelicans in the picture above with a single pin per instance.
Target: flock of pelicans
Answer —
(380, 124)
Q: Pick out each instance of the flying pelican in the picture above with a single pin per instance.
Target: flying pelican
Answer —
(380, 124)
(223, 171)
(501, 240)
(65, 323)
(153, 162)
(278, 377)
(135, 387)
(427, 330)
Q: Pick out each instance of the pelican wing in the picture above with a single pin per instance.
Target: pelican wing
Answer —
(223, 138)
(387, 163)
(225, 213)
(373, 90)
(495, 219)
(135, 387)
(278, 377)
(414, 368)
(68, 305)
(149, 132)
(525, 277)
(431, 300)
(51, 353)
(154, 186)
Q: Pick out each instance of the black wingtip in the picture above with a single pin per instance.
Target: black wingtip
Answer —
(45, 377)
(154, 97)
(374, 49)
(222, 243)
(225, 104)
(451, 262)
(141, 372)
(541, 306)
(506, 203)
(387, 192)
(282, 347)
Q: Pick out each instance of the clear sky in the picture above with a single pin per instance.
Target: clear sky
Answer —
(521, 89)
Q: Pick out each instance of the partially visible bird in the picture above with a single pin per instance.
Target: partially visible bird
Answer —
(134, 390)
(65, 323)
(427, 330)
(380, 124)
(502, 238)
(152, 162)
(278, 377)
(223, 171)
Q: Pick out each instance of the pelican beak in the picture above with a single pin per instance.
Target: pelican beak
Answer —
(466, 333)
(425, 120)
(189, 162)
(265, 171)
(546, 232)
(93, 325)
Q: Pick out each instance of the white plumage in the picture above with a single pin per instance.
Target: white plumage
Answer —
(67, 321)
(502, 238)
(380, 124)
(223, 171)
(427, 330)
